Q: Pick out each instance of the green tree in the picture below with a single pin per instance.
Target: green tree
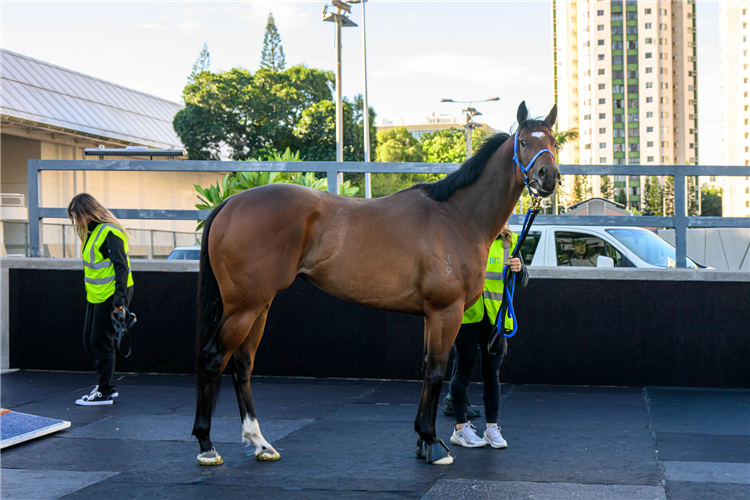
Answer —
(449, 146)
(669, 196)
(272, 55)
(621, 196)
(711, 198)
(606, 187)
(203, 63)
(248, 113)
(581, 188)
(653, 202)
(398, 145)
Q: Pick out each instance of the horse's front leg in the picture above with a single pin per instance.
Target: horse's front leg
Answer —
(442, 328)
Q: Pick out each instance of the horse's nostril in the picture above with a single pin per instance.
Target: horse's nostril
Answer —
(558, 176)
(543, 171)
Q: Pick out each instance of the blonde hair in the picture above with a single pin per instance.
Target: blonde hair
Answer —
(86, 205)
(506, 234)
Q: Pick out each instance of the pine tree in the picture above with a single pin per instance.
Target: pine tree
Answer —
(272, 56)
(202, 64)
(581, 188)
(653, 203)
(606, 187)
(692, 195)
(669, 196)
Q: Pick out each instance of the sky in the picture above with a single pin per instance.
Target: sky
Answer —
(418, 52)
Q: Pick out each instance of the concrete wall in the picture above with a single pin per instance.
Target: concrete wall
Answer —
(722, 248)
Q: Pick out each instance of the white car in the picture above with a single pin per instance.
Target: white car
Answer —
(597, 246)
(185, 253)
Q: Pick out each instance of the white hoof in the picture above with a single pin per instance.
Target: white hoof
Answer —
(267, 454)
(210, 457)
(444, 461)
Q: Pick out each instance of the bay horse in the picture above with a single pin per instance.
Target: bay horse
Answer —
(422, 251)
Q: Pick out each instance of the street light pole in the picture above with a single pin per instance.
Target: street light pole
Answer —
(366, 123)
(341, 20)
(470, 113)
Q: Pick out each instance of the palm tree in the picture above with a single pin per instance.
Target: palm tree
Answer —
(562, 137)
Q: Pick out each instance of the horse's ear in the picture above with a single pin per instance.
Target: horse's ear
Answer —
(551, 117)
(523, 113)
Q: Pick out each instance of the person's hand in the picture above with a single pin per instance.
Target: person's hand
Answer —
(118, 308)
(515, 264)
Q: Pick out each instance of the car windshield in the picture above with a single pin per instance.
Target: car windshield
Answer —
(648, 246)
(187, 254)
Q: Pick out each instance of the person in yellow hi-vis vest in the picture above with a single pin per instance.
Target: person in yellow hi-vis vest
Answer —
(476, 329)
(109, 285)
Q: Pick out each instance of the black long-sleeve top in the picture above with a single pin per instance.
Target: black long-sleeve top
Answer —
(115, 249)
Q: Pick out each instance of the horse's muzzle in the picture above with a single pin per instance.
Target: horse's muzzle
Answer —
(545, 181)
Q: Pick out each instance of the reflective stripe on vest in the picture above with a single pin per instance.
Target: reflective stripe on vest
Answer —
(99, 272)
(492, 295)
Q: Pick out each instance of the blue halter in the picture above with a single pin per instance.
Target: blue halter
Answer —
(525, 170)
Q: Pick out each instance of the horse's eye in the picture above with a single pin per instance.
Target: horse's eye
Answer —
(523, 143)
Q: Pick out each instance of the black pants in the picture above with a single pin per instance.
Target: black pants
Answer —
(99, 341)
(466, 350)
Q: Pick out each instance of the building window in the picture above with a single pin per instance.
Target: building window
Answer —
(619, 147)
(616, 45)
(633, 117)
(616, 60)
(602, 130)
(633, 132)
(634, 161)
(649, 99)
(599, 12)
(665, 130)
(650, 144)
(648, 26)
(602, 159)
(600, 27)
(663, 71)
(586, 117)
(618, 89)
(649, 41)
(648, 55)
(600, 42)
(633, 73)
(602, 145)
(618, 119)
(634, 147)
(617, 30)
(665, 144)
(747, 190)
(665, 160)
(649, 70)
(600, 72)
(618, 132)
(647, 11)
(602, 86)
(602, 101)
(603, 116)
(649, 114)
(649, 129)
(600, 57)
(649, 85)
(632, 44)
(650, 159)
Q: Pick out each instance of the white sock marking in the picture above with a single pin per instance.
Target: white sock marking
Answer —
(251, 433)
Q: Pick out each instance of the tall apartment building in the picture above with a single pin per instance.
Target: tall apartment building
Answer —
(626, 76)
(734, 17)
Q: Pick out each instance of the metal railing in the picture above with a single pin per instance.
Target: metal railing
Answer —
(680, 221)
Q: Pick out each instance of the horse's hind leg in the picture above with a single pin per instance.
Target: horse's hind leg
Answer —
(212, 360)
(442, 328)
(243, 360)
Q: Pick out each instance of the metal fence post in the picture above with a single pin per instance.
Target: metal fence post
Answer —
(62, 228)
(680, 221)
(333, 187)
(36, 238)
(152, 244)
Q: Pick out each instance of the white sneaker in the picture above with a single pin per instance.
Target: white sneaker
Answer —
(94, 399)
(493, 437)
(96, 389)
(467, 437)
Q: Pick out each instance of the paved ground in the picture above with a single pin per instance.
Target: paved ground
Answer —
(354, 439)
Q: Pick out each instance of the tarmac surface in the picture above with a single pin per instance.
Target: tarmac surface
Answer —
(354, 439)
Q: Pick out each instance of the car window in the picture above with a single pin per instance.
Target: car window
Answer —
(530, 244)
(648, 246)
(184, 255)
(582, 249)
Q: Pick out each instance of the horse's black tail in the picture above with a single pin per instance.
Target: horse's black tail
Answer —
(210, 307)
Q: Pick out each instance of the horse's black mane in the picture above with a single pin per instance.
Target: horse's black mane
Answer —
(472, 168)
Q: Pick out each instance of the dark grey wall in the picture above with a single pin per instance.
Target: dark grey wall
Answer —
(572, 331)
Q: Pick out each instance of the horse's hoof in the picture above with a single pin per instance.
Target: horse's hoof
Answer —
(210, 457)
(439, 454)
(421, 450)
(268, 454)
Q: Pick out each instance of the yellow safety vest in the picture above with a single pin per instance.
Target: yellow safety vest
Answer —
(98, 270)
(492, 295)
